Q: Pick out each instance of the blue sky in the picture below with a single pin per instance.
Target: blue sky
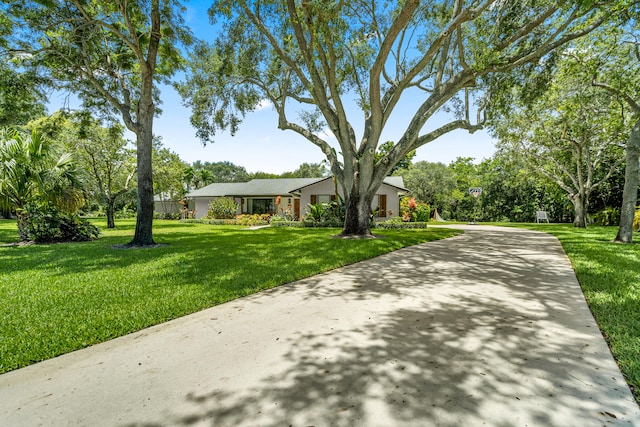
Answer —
(260, 146)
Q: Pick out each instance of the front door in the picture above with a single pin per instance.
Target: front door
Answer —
(382, 205)
(296, 208)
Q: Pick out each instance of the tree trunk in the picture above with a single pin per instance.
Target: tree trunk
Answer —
(21, 219)
(111, 213)
(579, 206)
(145, 111)
(144, 139)
(144, 221)
(630, 191)
(357, 215)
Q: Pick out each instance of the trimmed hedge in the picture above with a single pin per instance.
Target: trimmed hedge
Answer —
(295, 224)
(210, 221)
(389, 225)
(394, 225)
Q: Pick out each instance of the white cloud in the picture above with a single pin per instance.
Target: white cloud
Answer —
(265, 103)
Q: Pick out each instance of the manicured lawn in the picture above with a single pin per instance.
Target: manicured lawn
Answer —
(609, 274)
(59, 298)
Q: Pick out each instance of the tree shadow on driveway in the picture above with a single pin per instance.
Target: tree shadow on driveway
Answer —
(489, 327)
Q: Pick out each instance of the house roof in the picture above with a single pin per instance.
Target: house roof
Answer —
(394, 181)
(255, 187)
(271, 187)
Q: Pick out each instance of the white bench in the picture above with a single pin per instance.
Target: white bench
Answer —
(541, 216)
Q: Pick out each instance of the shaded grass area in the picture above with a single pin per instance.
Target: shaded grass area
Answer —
(62, 297)
(609, 274)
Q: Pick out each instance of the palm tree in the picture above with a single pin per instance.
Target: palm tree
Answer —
(187, 177)
(30, 171)
(206, 177)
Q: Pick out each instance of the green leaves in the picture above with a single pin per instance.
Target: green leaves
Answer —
(103, 46)
(22, 96)
(31, 171)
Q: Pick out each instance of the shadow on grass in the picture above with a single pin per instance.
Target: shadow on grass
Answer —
(75, 295)
(192, 254)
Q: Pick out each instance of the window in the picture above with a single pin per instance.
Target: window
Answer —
(262, 206)
(322, 198)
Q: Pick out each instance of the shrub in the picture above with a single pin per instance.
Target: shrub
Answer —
(209, 221)
(222, 208)
(166, 215)
(282, 217)
(252, 220)
(317, 210)
(422, 212)
(326, 214)
(46, 223)
(124, 213)
(607, 216)
(636, 220)
(412, 211)
(321, 224)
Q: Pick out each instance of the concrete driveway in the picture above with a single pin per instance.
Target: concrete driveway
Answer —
(487, 328)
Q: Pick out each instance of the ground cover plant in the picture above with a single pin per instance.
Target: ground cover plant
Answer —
(609, 274)
(56, 298)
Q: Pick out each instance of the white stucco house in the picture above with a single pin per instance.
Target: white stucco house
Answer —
(294, 195)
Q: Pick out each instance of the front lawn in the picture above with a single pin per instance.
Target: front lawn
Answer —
(62, 297)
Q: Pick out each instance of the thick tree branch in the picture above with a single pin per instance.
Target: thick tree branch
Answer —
(400, 22)
(111, 28)
(628, 99)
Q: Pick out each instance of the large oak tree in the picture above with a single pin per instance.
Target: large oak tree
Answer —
(613, 64)
(112, 54)
(572, 133)
(318, 58)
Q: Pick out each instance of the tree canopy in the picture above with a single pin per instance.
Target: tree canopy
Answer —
(613, 62)
(572, 133)
(112, 55)
(22, 97)
(319, 59)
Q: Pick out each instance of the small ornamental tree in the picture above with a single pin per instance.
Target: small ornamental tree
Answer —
(222, 208)
(408, 207)
(31, 171)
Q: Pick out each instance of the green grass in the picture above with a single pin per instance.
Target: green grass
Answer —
(609, 274)
(63, 297)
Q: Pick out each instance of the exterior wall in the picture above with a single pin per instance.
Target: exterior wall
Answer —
(286, 206)
(326, 188)
(202, 205)
(167, 206)
(244, 204)
(393, 200)
(322, 191)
